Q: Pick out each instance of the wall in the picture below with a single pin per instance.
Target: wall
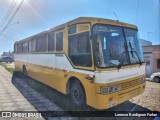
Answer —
(156, 55)
(151, 54)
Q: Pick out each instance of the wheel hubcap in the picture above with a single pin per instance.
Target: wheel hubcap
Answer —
(156, 79)
(77, 94)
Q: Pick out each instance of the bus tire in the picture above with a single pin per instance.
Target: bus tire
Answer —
(24, 70)
(77, 94)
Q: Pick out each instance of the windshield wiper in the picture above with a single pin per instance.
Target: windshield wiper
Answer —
(130, 45)
(140, 62)
(132, 51)
(121, 62)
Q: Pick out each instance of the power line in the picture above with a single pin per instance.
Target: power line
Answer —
(13, 15)
(13, 4)
(6, 37)
(8, 26)
(15, 31)
(7, 12)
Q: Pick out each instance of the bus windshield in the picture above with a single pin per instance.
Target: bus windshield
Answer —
(115, 46)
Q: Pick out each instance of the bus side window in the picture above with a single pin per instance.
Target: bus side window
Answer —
(41, 43)
(59, 41)
(25, 47)
(15, 48)
(79, 49)
(51, 42)
(19, 48)
(33, 45)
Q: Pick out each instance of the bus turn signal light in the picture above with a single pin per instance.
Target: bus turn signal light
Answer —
(90, 77)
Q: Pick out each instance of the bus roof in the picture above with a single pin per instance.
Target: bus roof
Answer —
(91, 20)
(100, 20)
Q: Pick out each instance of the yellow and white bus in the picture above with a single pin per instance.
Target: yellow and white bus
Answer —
(99, 62)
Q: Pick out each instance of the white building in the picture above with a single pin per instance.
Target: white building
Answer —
(151, 55)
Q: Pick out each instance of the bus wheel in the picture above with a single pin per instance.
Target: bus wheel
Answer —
(24, 71)
(77, 94)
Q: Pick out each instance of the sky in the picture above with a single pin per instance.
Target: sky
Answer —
(35, 16)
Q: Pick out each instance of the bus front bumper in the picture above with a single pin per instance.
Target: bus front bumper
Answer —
(105, 101)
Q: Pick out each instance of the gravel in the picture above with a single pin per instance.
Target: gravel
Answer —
(150, 98)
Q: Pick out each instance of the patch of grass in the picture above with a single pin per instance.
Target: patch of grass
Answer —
(11, 70)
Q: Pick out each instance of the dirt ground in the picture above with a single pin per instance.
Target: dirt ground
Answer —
(150, 99)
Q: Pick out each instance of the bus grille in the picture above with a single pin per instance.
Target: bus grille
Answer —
(130, 84)
(128, 95)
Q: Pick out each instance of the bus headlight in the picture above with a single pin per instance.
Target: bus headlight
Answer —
(143, 79)
(110, 89)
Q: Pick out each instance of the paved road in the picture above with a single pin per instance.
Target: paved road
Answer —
(18, 96)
